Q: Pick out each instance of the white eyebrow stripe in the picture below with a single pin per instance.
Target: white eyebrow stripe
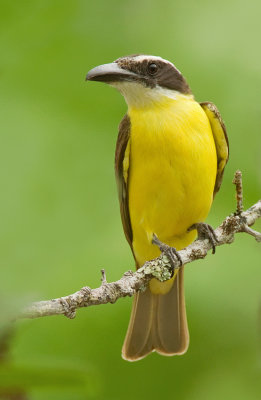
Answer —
(152, 58)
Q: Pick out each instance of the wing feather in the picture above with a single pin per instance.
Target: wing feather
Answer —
(221, 140)
(121, 171)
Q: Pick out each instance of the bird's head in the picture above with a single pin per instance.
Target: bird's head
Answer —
(142, 79)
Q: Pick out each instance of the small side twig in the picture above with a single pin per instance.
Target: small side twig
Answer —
(252, 232)
(103, 278)
(239, 191)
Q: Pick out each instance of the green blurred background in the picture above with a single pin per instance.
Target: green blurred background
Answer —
(60, 221)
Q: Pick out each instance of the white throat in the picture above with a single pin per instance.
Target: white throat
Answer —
(137, 95)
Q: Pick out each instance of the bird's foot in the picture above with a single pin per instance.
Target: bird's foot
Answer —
(169, 251)
(205, 231)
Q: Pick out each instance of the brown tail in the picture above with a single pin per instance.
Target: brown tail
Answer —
(158, 322)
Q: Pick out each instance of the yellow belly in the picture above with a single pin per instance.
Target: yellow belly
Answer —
(171, 177)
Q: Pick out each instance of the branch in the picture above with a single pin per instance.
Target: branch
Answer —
(160, 267)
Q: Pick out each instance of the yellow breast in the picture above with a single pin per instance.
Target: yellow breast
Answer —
(172, 172)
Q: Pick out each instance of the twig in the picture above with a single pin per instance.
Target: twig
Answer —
(131, 282)
(252, 232)
(239, 191)
(103, 278)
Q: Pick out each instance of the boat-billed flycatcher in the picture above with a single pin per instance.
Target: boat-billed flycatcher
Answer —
(170, 158)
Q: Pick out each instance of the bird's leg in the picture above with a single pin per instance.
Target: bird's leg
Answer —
(205, 231)
(169, 251)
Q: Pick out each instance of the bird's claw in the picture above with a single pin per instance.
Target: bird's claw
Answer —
(170, 252)
(205, 231)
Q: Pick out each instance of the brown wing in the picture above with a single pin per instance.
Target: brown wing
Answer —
(221, 140)
(121, 171)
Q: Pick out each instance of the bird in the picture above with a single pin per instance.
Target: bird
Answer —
(170, 157)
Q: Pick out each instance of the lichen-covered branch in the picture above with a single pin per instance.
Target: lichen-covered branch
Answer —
(160, 267)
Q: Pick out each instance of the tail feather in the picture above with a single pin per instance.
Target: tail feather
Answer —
(138, 340)
(171, 322)
(158, 322)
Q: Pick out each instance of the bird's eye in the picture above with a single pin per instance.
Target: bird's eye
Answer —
(152, 68)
